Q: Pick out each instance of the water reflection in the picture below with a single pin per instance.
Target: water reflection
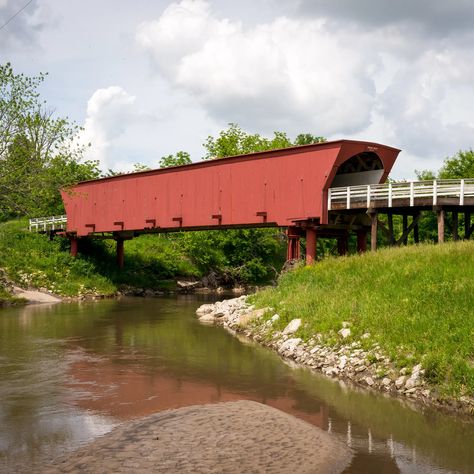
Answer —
(71, 371)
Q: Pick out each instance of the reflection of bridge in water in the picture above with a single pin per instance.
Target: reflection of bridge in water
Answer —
(406, 459)
(324, 190)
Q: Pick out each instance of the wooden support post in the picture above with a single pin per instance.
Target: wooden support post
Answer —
(120, 253)
(74, 246)
(405, 227)
(455, 225)
(293, 246)
(390, 228)
(373, 231)
(362, 240)
(440, 213)
(416, 228)
(467, 225)
(311, 242)
(293, 249)
(342, 244)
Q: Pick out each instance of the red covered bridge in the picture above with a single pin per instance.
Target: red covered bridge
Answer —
(281, 188)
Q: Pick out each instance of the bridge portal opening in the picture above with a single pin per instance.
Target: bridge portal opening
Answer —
(363, 168)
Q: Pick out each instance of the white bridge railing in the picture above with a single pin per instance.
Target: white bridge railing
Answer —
(42, 224)
(412, 192)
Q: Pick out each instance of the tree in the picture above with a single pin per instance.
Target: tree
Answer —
(235, 141)
(308, 139)
(39, 153)
(459, 166)
(180, 158)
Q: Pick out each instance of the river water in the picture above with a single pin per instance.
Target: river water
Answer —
(70, 372)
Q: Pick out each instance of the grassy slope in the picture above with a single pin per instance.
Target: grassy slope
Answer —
(33, 260)
(416, 302)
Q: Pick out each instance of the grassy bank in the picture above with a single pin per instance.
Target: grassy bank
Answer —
(151, 261)
(416, 302)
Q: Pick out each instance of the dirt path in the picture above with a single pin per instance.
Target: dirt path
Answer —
(233, 437)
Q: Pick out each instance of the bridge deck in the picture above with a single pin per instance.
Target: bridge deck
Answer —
(415, 194)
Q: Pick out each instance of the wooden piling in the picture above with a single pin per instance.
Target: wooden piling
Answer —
(373, 231)
(311, 243)
(441, 216)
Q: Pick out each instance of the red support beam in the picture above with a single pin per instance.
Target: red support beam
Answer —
(293, 248)
(120, 253)
(362, 240)
(74, 246)
(311, 242)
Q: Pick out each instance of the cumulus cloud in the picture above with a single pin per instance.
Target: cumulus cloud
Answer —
(436, 17)
(362, 71)
(109, 112)
(279, 74)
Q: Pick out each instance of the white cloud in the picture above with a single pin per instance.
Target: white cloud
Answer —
(290, 74)
(109, 112)
(386, 80)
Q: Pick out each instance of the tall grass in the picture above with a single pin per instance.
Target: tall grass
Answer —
(416, 302)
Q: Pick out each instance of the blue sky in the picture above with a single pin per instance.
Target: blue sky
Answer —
(146, 79)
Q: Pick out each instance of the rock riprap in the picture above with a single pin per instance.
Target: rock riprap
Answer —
(232, 437)
(349, 359)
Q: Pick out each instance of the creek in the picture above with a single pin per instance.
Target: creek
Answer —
(70, 372)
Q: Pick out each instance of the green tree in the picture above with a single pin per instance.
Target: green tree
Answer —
(235, 141)
(458, 166)
(180, 158)
(39, 153)
(308, 139)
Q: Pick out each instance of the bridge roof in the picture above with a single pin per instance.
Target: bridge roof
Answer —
(243, 157)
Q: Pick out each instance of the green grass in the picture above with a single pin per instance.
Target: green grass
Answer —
(416, 302)
(6, 299)
(32, 260)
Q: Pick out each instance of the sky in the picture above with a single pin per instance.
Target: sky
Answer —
(149, 78)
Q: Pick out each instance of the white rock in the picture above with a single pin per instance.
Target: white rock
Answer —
(345, 332)
(400, 382)
(403, 371)
(361, 368)
(207, 318)
(342, 362)
(365, 335)
(345, 324)
(275, 317)
(416, 369)
(289, 346)
(205, 309)
(292, 327)
(369, 381)
(386, 381)
(412, 382)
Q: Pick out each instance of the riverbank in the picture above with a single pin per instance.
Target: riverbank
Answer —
(155, 265)
(232, 437)
(358, 360)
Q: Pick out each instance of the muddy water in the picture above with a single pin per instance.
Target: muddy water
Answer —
(71, 372)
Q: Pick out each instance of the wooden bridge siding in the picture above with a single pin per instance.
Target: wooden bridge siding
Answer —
(287, 185)
(283, 190)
